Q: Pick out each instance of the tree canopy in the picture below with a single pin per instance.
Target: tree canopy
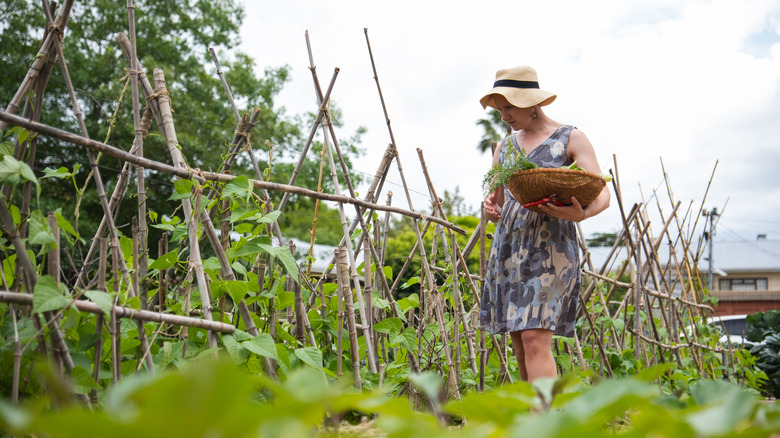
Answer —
(174, 37)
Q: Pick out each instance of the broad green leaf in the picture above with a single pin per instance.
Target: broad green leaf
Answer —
(6, 148)
(239, 186)
(239, 268)
(10, 170)
(284, 299)
(241, 335)
(166, 260)
(64, 224)
(102, 299)
(725, 405)
(389, 325)
(262, 345)
(241, 213)
(212, 264)
(428, 383)
(48, 295)
(311, 356)
(283, 355)
(410, 282)
(23, 135)
(61, 173)
(406, 339)
(410, 302)
(164, 227)
(236, 289)
(182, 189)
(234, 349)
(268, 218)
(253, 246)
(285, 256)
(282, 253)
(39, 231)
(82, 377)
(388, 272)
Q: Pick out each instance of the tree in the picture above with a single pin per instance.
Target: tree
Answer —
(173, 36)
(602, 239)
(494, 129)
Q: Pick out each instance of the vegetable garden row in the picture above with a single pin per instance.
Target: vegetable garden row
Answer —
(84, 316)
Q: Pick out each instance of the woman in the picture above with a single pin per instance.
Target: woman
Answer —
(533, 278)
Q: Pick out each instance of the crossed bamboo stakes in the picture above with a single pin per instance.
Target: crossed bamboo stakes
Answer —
(650, 291)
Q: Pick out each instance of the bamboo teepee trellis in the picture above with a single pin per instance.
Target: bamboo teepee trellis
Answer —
(670, 290)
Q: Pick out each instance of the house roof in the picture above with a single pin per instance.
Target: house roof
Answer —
(728, 256)
(748, 255)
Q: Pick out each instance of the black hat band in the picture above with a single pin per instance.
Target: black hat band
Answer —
(516, 84)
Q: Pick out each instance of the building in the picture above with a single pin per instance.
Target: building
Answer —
(746, 274)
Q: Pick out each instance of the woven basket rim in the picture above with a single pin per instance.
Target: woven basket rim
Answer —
(559, 170)
(586, 188)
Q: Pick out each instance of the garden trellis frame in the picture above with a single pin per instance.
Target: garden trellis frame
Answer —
(651, 290)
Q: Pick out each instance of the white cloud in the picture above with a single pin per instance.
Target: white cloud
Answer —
(691, 82)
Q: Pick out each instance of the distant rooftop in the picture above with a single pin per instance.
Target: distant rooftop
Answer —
(730, 257)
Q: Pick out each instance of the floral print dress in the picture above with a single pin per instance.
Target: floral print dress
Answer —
(533, 275)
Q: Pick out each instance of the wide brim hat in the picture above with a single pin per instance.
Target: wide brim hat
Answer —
(520, 87)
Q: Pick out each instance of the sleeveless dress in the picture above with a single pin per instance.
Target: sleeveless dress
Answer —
(533, 273)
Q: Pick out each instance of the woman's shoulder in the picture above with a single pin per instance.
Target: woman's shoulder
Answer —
(576, 135)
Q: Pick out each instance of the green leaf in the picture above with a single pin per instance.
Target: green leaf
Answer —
(64, 224)
(182, 189)
(241, 213)
(253, 246)
(103, 300)
(166, 260)
(82, 377)
(410, 302)
(23, 135)
(282, 253)
(389, 325)
(39, 229)
(725, 406)
(262, 345)
(269, 218)
(236, 289)
(239, 186)
(48, 295)
(428, 383)
(388, 272)
(311, 356)
(234, 349)
(10, 170)
(61, 173)
(407, 339)
(410, 282)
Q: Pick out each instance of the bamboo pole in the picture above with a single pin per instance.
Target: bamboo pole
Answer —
(457, 257)
(138, 142)
(346, 293)
(118, 193)
(54, 33)
(128, 313)
(224, 83)
(203, 176)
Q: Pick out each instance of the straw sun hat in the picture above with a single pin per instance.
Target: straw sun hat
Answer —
(520, 86)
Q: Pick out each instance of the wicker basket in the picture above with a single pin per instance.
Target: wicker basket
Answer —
(528, 186)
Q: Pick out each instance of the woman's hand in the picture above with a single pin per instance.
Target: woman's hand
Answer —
(573, 212)
(493, 204)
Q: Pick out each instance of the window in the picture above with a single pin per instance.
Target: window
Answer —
(738, 284)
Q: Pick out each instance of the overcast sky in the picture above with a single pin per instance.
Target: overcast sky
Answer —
(685, 83)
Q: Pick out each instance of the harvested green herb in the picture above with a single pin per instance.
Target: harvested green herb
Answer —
(514, 161)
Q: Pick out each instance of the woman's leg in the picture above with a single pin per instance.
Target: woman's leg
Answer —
(517, 346)
(534, 347)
